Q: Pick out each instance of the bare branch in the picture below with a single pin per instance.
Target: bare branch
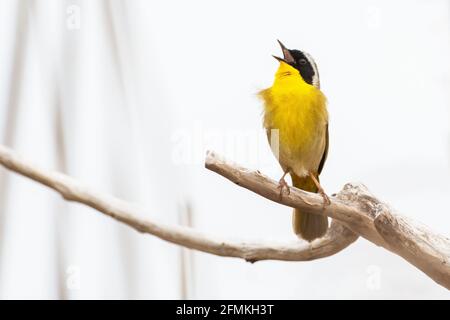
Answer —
(355, 212)
(334, 241)
(359, 211)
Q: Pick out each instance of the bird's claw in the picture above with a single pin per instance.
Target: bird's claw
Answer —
(283, 184)
(326, 199)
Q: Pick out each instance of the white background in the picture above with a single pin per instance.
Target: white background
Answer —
(127, 95)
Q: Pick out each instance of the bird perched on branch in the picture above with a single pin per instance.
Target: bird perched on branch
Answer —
(296, 122)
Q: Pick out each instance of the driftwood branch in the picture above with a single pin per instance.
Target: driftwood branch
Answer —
(358, 210)
(334, 241)
(354, 210)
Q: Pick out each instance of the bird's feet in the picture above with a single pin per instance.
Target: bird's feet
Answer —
(326, 199)
(282, 184)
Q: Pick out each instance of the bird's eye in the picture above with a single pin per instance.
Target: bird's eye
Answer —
(302, 61)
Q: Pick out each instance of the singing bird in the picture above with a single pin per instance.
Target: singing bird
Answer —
(296, 122)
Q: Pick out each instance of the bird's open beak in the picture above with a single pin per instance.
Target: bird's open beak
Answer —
(287, 56)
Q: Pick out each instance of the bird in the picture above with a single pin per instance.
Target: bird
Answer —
(295, 118)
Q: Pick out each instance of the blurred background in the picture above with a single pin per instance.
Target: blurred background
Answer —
(126, 96)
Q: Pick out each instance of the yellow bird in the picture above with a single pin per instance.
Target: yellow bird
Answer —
(295, 115)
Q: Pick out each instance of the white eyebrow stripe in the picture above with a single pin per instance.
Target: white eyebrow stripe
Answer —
(315, 79)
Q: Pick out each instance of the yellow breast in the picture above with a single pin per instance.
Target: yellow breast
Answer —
(298, 111)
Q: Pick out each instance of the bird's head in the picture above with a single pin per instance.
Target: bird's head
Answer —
(301, 61)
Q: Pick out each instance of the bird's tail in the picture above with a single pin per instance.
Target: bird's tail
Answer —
(306, 225)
